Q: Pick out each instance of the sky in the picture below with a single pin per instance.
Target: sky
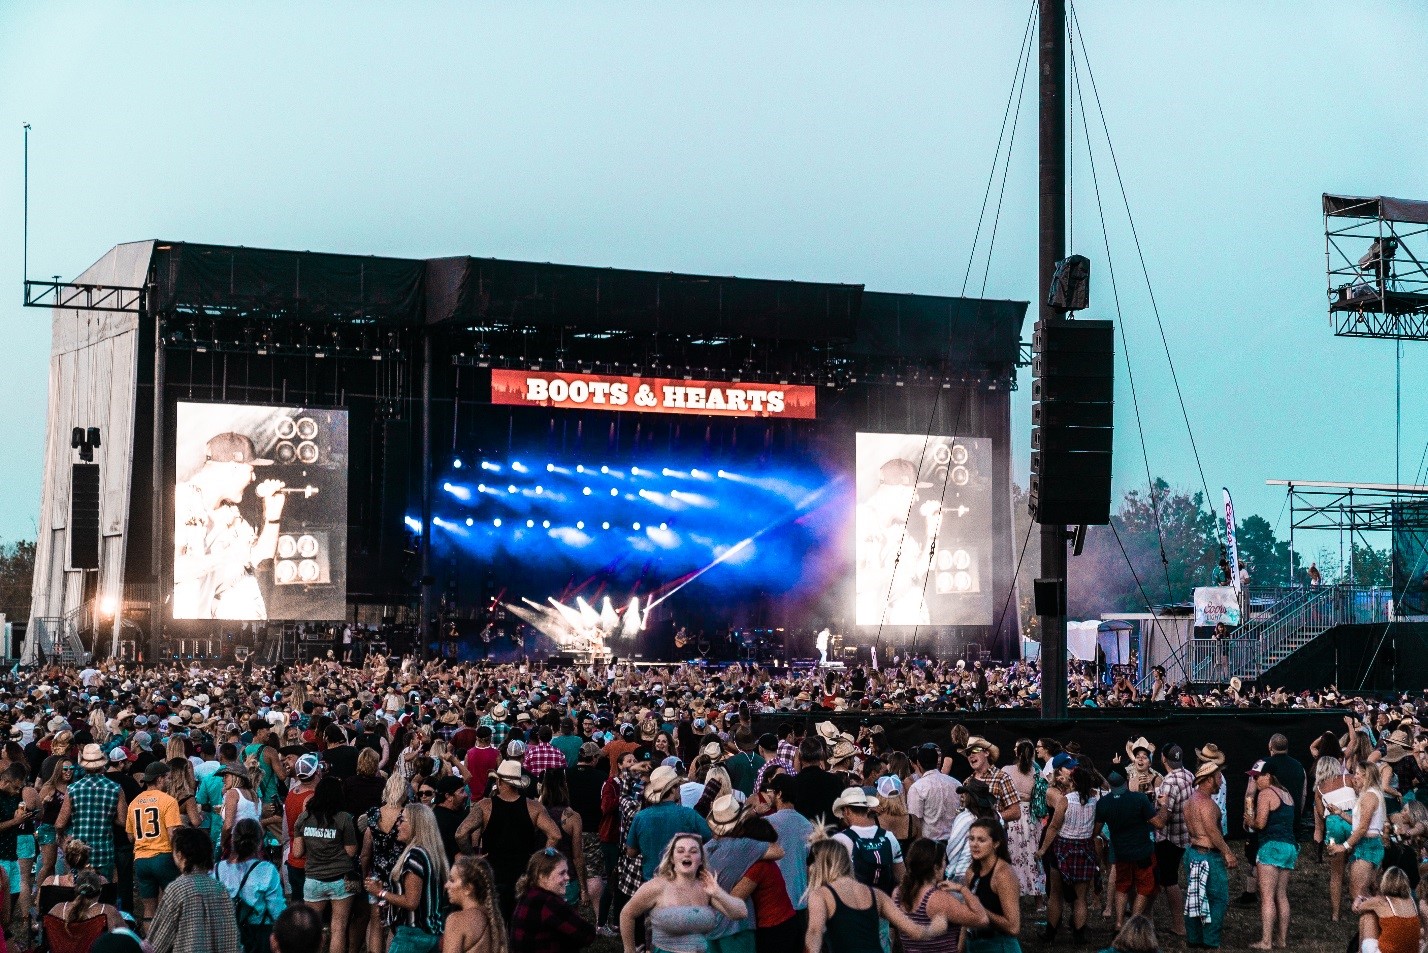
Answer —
(824, 141)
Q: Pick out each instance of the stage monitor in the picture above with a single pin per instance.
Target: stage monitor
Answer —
(923, 525)
(260, 513)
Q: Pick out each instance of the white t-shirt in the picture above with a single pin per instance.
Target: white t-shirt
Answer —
(88, 677)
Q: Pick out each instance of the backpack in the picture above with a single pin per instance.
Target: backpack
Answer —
(253, 931)
(1039, 810)
(873, 859)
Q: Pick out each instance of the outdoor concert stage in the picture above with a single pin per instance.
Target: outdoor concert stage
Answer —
(540, 455)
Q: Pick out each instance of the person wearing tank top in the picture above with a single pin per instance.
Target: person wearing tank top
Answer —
(1388, 923)
(1277, 854)
(993, 883)
(512, 828)
(849, 914)
(1363, 847)
(1068, 843)
(683, 900)
(924, 895)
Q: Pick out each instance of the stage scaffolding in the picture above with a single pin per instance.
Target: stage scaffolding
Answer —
(1376, 256)
(1352, 510)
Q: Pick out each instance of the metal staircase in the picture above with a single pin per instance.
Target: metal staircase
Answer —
(1297, 617)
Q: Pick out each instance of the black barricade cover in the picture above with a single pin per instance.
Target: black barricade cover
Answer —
(1243, 735)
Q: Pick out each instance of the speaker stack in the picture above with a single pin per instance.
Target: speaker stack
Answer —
(1072, 416)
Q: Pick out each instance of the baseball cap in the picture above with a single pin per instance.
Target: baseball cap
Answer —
(1063, 760)
(234, 448)
(1254, 772)
(307, 765)
(155, 771)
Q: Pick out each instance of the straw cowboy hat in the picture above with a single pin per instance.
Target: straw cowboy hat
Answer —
(855, 798)
(844, 750)
(1398, 746)
(510, 772)
(93, 758)
(1140, 744)
(1235, 684)
(714, 751)
(827, 731)
(725, 815)
(978, 743)
(1211, 754)
(500, 712)
(1205, 770)
(662, 779)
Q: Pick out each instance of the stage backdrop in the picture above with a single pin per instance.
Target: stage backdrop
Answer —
(260, 521)
(924, 530)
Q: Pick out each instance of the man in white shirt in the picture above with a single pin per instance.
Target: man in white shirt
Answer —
(876, 855)
(933, 797)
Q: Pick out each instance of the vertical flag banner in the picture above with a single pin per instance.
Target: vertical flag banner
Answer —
(1230, 540)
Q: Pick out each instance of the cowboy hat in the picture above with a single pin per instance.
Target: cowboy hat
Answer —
(510, 772)
(827, 731)
(500, 712)
(855, 798)
(1211, 754)
(1235, 684)
(1205, 770)
(662, 779)
(1398, 746)
(978, 743)
(844, 750)
(93, 758)
(1139, 744)
(725, 815)
(714, 751)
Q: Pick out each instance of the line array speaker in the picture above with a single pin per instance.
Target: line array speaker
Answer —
(84, 516)
(1073, 422)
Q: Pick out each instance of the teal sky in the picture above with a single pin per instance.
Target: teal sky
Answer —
(825, 141)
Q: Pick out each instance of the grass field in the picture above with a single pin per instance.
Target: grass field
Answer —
(1310, 930)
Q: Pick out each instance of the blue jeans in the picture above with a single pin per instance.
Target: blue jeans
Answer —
(1217, 889)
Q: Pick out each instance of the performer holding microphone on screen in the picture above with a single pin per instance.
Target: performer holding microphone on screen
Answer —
(216, 550)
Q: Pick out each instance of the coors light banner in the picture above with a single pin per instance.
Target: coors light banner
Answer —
(652, 395)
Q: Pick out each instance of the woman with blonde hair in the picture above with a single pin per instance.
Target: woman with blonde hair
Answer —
(412, 891)
(1364, 845)
(474, 924)
(381, 848)
(1137, 936)
(181, 785)
(239, 801)
(683, 900)
(1331, 787)
(892, 809)
(1388, 922)
(363, 791)
(848, 913)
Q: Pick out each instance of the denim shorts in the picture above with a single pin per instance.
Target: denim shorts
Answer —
(314, 891)
(1277, 853)
(1369, 850)
(45, 835)
(25, 846)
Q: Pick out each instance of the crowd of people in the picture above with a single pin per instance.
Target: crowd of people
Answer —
(406, 807)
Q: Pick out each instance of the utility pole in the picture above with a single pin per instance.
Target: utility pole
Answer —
(1051, 175)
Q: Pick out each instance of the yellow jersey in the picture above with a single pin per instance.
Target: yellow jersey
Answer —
(151, 814)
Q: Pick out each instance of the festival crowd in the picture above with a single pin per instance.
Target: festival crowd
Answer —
(413, 807)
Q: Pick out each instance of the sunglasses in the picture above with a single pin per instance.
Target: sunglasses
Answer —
(425, 793)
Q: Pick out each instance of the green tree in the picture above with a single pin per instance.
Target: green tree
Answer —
(1267, 557)
(1372, 567)
(17, 575)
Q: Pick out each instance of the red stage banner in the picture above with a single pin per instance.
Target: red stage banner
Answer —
(652, 395)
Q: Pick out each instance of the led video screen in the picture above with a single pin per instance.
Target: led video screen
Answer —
(923, 525)
(260, 513)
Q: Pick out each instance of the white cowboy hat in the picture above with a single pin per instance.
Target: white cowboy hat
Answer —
(725, 814)
(511, 773)
(827, 731)
(855, 798)
(661, 780)
(93, 758)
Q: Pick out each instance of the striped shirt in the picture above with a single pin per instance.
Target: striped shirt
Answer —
(94, 805)
(427, 916)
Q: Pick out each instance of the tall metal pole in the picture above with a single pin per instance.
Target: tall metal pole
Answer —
(26, 244)
(1051, 172)
(156, 518)
(428, 582)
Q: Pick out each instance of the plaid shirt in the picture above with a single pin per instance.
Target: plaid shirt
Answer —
(1175, 790)
(541, 757)
(1002, 789)
(94, 804)
(195, 916)
(787, 751)
(545, 923)
(776, 762)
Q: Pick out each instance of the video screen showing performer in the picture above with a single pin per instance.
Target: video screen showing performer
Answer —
(260, 513)
(923, 527)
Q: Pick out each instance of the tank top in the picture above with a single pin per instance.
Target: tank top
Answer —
(268, 786)
(682, 929)
(982, 887)
(50, 807)
(1080, 820)
(851, 930)
(245, 808)
(509, 838)
(1279, 826)
(946, 943)
(1375, 825)
(566, 845)
(1398, 934)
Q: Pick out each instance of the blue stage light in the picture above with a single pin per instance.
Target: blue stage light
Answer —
(511, 488)
(604, 469)
(580, 525)
(446, 487)
(586, 491)
(540, 489)
(470, 521)
(664, 526)
(480, 488)
(550, 468)
(413, 523)
(604, 525)
(644, 492)
(666, 472)
(530, 523)
(496, 522)
(519, 467)
(545, 524)
(614, 492)
(637, 526)
(722, 474)
(456, 464)
(460, 492)
(580, 468)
